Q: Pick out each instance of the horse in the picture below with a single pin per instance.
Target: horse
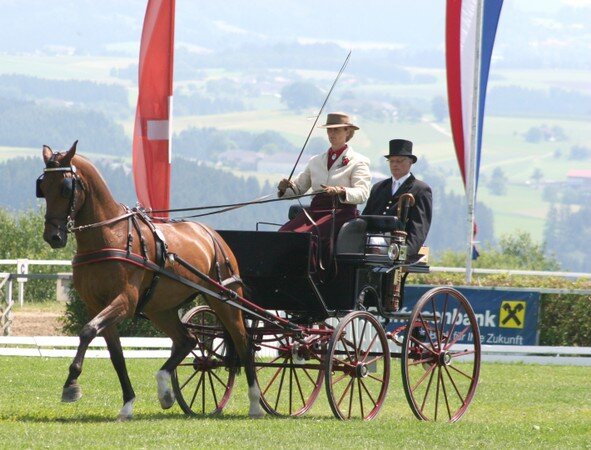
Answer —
(113, 288)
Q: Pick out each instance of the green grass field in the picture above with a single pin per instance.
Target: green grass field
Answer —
(516, 406)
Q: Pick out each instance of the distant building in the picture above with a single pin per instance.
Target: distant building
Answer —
(280, 163)
(240, 159)
(579, 177)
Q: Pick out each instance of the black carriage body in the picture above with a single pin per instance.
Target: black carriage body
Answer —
(276, 268)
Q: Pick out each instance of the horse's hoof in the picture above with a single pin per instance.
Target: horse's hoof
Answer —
(167, 400)
(257, 415)
(72, 393)
(124, 418)
(126, 412)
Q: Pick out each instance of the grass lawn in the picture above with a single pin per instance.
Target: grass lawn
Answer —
(516, 406)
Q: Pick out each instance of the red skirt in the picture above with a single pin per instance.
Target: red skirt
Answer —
(321, 211)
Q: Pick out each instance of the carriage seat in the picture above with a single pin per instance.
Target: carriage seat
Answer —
(294, 210)
(382, 224)
(352, 238)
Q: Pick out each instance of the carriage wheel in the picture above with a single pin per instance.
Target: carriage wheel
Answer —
(441, 356)
(203, 382)
(289, 372)
(358, 367)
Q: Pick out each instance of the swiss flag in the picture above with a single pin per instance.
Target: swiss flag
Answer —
(153, 119)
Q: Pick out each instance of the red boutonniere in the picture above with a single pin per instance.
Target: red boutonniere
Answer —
(344, 161)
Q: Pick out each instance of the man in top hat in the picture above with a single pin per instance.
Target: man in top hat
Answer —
(383, 198)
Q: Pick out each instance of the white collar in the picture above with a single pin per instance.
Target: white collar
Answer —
(400, 181)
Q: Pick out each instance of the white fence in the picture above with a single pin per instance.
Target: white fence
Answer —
(133, 347)
(56, 346)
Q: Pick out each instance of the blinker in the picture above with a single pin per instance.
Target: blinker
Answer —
(39, 192)
(66, 191)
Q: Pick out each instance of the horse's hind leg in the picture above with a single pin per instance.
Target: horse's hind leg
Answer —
(111, 336)
(109, 316)
(182, 343)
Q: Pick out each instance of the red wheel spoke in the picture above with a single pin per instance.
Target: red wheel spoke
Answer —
(427, 328)
(422, 378)
(280, 389)
(437, 336)
(347, 388)
(460, 396)
(453, 323)
(437, 392)
(360, 397)
(199, 383)
(469, 377)
(213, 391)
(443, 311)
(370, 346)
(272, 380)
(428, 389)
(345, 349)
(445, 394)
(429, 349)
(458, 337)
(362, 384)
(189, 379)
(351, 397)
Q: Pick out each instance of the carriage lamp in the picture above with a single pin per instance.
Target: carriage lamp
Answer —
(393, 251)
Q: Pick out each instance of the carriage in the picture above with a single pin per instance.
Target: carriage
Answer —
(341, 328)
(341, 332)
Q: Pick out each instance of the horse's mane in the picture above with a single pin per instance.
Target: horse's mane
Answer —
(89, 171)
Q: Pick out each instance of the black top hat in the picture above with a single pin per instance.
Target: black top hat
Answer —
(401, 147)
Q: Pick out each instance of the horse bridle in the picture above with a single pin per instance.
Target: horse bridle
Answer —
(68, 191)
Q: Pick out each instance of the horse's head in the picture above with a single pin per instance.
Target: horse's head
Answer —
(63, 191)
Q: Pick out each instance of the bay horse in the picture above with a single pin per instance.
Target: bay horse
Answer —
(114, 287)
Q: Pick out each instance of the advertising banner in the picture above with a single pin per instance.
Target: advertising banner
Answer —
(505, 317)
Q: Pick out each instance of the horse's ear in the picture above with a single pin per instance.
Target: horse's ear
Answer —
(47, 153)
(69, 155)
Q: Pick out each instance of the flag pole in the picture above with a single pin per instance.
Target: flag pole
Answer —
(471, 178)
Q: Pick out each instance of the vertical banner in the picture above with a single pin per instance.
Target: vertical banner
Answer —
(468, 52)
(470, 30)
(153, 119)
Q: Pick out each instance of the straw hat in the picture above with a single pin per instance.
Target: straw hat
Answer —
(337, 120)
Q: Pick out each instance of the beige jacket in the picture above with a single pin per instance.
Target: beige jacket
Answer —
(353, 176)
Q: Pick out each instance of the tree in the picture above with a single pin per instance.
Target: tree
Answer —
(514, 251)
(534, 135)
(439, 108)
(537, 176)
(498, 182)
(300, 95)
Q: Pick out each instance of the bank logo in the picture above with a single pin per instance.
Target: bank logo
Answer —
(512, 314)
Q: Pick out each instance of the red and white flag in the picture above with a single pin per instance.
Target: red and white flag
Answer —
(153, 119)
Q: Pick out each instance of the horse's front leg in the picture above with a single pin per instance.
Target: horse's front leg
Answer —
(110, 316)
(111, 336)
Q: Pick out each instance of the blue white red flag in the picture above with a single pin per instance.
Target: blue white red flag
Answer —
(153, 119)
(462, 51)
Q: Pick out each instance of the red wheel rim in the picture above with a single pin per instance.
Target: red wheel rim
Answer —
(358, 367)
(441, 356)
(202, 382)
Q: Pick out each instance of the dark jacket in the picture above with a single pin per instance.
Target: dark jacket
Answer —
(382, 202)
